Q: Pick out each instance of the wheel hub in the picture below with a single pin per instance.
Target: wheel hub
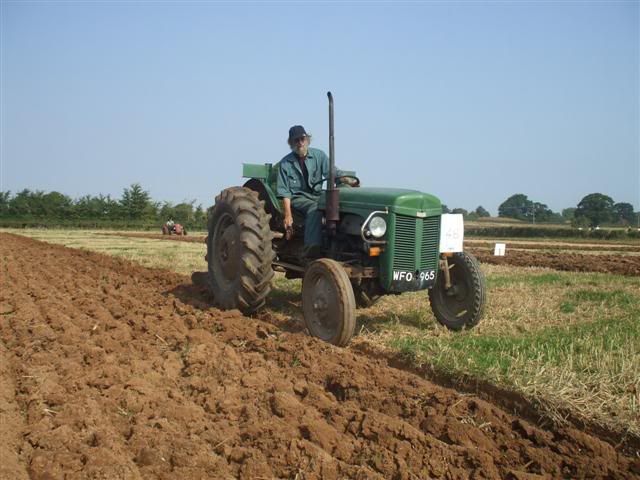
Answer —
(321, 304)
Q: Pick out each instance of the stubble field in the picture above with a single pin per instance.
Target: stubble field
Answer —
(114, 370)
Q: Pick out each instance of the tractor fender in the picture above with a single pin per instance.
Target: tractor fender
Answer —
(268, 196)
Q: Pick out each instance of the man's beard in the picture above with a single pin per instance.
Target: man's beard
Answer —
(300, 150)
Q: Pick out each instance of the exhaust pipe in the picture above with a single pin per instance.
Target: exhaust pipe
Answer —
(332, 213)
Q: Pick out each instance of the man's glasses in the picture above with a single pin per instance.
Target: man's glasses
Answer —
(299, 140)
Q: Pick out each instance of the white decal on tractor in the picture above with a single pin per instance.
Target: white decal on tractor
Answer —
(401, 276)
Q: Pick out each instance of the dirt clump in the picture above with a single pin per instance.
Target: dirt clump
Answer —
(112, 370)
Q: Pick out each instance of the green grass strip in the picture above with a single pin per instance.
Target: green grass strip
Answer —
(574, 346)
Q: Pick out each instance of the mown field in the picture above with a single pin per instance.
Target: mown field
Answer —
(567, 341)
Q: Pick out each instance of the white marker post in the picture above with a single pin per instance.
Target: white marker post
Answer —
(500, 249)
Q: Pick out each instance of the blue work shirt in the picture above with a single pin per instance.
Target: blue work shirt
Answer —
(291, 180)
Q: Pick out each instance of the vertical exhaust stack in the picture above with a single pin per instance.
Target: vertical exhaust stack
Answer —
(332, 213)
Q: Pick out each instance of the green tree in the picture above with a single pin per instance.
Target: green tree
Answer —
(445, 209)
(519, 206)
(482, 212)
(540, 213)
(184, 212)
(460, 210)
(55, 205)
(516, 206)
(596, 208)
(21, 204)
(166, 212)
(97, 208)
(568, 214)
(623, 213)
(136, 203)
(5, 200)
(200, 217)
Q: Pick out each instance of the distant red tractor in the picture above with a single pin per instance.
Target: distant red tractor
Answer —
(173, 229)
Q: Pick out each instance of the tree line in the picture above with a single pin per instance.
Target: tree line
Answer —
(134, 207)
(594, 210)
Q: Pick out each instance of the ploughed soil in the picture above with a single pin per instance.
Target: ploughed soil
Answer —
(159, 236)
(558, 245)
(572, 262)
(111, 370)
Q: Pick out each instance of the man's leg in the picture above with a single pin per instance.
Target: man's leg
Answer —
(312, 219)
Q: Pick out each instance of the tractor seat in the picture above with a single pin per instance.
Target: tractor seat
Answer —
(298, 218)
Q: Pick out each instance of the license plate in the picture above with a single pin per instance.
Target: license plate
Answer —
(404, 276)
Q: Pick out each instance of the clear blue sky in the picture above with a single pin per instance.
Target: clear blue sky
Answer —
(470, 101)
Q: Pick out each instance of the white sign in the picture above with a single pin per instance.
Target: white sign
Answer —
(451, 232)
(500, 249)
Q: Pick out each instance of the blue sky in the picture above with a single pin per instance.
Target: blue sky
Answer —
(469, 101)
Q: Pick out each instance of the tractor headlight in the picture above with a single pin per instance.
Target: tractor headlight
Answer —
(378, 226)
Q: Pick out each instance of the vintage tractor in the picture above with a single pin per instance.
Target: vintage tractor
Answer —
(173, 229)
(378, 241)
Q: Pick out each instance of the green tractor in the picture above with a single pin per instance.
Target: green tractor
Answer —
(379, 241)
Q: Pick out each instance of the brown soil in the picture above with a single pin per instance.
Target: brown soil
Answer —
(573, 262)
(565, 246)
(159, 236)
(112, 370)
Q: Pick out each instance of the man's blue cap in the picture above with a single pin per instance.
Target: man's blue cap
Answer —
(297, 131)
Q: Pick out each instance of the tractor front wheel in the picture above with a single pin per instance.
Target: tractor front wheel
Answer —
(462, 304)
(328, 302)
(239, 251)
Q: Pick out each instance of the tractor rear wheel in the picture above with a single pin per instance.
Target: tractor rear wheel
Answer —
(328, 302)
(239, 250)
(462, 305)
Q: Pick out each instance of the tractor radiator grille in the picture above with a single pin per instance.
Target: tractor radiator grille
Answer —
(430, 239)
(405, 256)
(405, 240)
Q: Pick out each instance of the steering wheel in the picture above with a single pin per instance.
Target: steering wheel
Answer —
(339, 177)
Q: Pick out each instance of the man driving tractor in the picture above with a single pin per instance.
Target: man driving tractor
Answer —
(371, 242)
(300, 184)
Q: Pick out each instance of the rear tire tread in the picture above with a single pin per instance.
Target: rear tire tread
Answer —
(252, 283)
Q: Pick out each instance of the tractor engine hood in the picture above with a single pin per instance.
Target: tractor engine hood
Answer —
(397, 200)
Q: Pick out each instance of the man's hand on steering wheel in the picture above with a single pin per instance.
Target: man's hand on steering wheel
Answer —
(350, 180)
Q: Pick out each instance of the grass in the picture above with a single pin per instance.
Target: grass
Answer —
(597, 359)
(568, 341)
(572, 344)
(181, 257)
